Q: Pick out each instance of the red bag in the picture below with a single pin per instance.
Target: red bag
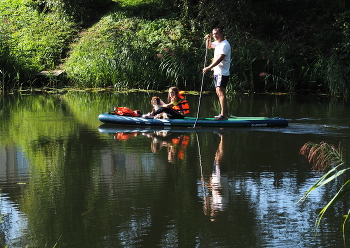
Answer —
(126, 111)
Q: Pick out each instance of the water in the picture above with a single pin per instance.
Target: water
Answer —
(67, 180)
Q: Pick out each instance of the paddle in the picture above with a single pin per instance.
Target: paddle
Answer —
(201, 167)
(200, 93)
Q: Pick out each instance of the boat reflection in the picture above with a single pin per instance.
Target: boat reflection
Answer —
(122, 136)
(175, 143)
(113, 128)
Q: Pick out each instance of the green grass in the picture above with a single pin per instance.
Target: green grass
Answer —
(31, 41)
(157, 43)
(131, 53)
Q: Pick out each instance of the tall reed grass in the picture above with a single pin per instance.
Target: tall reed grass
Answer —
(327, 158)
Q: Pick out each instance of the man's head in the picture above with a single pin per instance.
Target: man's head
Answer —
(218, 34)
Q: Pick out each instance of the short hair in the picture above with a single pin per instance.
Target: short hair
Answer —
(221, 30)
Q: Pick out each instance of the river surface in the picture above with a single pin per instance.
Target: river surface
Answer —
(67, 180)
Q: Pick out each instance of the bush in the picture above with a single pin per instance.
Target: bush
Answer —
(84, 12)
(131, 52)
(31, 41)
(276, 45)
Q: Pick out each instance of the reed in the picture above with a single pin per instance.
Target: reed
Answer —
(336, 74)
(327, 158)
(322, 156)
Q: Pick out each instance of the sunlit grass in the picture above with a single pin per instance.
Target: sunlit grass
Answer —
(136, 2)
(132, 53)
(30, 42)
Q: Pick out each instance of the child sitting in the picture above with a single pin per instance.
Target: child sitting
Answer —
(177, 108)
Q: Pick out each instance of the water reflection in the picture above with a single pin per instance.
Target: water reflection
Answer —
(13, 165)
(175, 143)
(235, 193)
(215, 189)
(78, 187)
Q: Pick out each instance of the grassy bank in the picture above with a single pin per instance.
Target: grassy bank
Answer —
(291, 46)
(126, 52)
(30, 42)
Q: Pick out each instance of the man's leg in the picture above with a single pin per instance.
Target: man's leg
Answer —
(221, 92)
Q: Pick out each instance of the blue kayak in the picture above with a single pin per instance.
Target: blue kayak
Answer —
(190, 121)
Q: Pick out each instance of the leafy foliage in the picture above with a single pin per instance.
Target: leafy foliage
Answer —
(125, 53)
(277, 45)
(81, 11)
(30, 42)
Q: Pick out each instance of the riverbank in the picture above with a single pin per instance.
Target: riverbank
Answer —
(277, 47)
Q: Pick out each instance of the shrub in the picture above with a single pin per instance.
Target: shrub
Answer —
(31, 41)
(131, 52)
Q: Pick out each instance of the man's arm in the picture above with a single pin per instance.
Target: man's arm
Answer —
(208, 41)
(215, 63)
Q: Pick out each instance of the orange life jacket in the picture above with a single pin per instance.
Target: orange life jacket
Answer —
(181, 155)
(126, 111)
(182, 142)
(182, 107)
(125, 136)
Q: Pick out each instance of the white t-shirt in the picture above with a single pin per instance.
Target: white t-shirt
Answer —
(223, 68)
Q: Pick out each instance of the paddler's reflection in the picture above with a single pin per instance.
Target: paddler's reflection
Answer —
(175, 143)
(216, 187)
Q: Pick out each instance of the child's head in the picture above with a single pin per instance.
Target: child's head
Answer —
(174, 89)
(173, 94)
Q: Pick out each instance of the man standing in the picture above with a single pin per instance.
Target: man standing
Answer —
(221, 64)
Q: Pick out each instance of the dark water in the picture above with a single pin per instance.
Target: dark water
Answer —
(69, 181)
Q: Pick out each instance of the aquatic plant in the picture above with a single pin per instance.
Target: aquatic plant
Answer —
(327, 158)
(322, 156)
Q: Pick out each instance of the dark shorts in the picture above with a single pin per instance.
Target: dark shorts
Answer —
(220, 80)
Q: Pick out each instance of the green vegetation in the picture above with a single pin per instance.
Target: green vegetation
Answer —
(278, 46)
(327, 158)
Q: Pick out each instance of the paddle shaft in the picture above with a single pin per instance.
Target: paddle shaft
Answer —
(200, 93)
(201, 167)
